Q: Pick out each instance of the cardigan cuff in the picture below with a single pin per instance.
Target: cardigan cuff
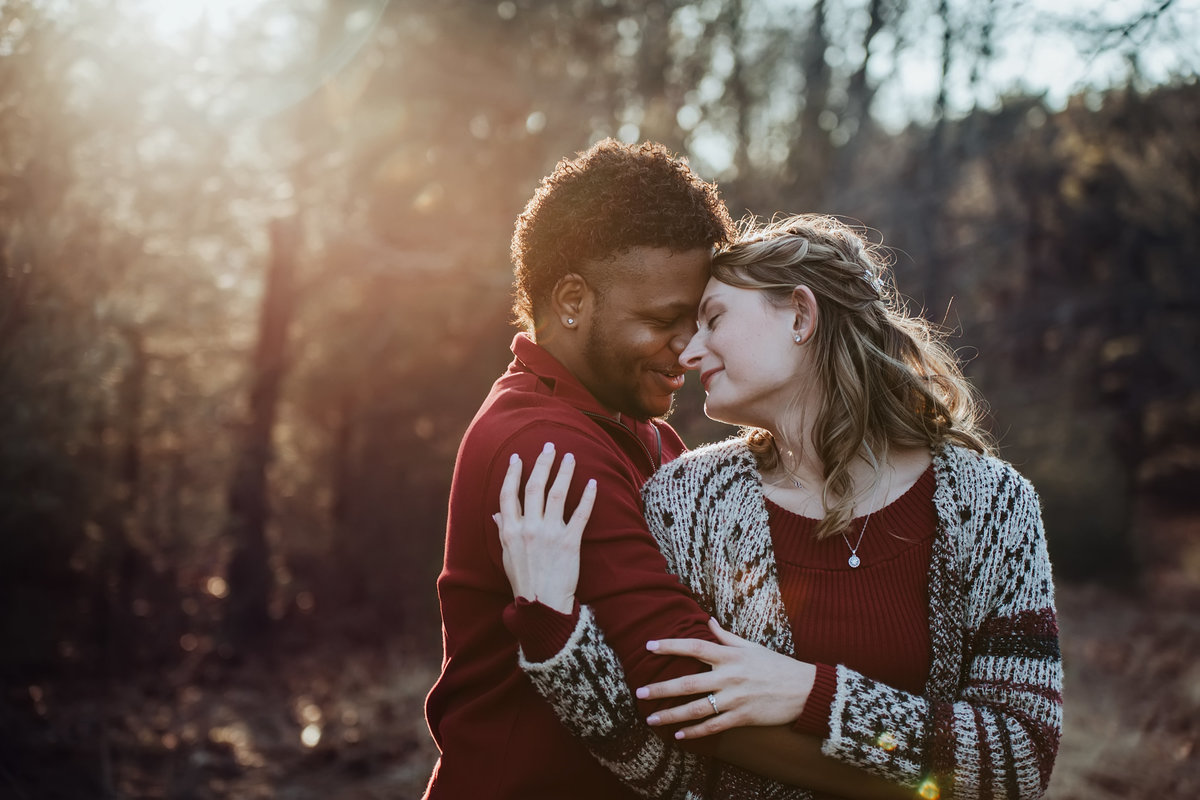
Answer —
(541, 630)
(814, 719)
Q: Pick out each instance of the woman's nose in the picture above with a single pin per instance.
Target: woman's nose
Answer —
(680, 340)
(690, 355)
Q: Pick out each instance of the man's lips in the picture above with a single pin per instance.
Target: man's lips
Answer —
(672, 378)
(706, 376)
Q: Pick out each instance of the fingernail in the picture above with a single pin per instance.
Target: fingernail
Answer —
(548, 448)
(496, 518)
(678, 734)
(591, 484)
(568, 457)
(514, 458)
(642, 693)
(651, 645)
(652, 719)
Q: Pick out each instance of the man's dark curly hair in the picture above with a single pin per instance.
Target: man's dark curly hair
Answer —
(606, 200)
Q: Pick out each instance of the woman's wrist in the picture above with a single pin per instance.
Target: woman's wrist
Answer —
(814, 717)
(563, 603)
(541, 630)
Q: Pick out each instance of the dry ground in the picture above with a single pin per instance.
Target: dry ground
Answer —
(1132, 720)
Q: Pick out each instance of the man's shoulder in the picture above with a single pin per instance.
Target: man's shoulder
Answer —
(516, 417)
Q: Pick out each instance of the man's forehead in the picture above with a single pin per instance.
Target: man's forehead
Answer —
(653, 280)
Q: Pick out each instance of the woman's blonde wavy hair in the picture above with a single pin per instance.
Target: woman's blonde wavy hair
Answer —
(888, 379)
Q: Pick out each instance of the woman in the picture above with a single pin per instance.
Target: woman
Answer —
(885, 580)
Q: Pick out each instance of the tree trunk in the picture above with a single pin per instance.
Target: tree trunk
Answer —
(250, 579)
(810, 159)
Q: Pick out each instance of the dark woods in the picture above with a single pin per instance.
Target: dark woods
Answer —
(246, 312)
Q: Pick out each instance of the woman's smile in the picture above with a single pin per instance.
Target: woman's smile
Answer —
(707, 376)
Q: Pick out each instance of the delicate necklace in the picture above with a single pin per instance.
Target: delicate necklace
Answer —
(854, 560)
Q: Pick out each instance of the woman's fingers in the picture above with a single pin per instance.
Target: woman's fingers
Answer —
(556, 498)
(701, 709)
(688, 712)
(510, 503)
(721, 722)
(583, 511)
(724, 636)
(700, 683)
(699, 649)
(540, 503)
(535, 486)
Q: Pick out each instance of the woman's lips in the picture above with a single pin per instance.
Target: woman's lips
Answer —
(706, 376)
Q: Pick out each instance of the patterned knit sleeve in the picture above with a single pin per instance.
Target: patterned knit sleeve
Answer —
(996, 735)
(585, 684)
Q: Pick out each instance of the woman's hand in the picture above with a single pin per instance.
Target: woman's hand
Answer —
(541, 551)
(748, 685)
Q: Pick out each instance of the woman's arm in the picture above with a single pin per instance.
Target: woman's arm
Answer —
(998, 734)
(585, 680)
(585, 683)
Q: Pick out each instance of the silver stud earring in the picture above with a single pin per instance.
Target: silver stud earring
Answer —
(797, 338)
(570, 320)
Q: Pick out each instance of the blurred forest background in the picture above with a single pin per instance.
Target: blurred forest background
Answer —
(254, 282)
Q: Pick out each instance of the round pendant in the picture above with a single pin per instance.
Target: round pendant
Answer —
(854, 562)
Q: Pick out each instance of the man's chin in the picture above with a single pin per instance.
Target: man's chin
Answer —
(659, 409)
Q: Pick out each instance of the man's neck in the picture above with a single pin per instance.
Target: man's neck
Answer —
(573, 359)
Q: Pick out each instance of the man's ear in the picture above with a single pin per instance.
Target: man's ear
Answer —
(804, 323)
(570, 301)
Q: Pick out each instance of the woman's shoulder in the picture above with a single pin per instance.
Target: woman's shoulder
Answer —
(966, 467)
(728, 453)
(695, 468)
(982, 486)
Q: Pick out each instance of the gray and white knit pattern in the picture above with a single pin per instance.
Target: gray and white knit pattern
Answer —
(599, 710)
(989, 720)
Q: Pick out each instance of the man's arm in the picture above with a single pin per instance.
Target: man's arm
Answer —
(786, 756)
(623, 577)
(585, 685)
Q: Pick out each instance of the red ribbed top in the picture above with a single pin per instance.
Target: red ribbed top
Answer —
(873, 619)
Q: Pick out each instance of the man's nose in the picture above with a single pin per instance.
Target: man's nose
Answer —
(680, 341)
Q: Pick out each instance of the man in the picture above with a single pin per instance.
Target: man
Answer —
(611, 257)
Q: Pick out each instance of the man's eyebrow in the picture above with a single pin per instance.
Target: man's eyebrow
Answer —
(677, 307)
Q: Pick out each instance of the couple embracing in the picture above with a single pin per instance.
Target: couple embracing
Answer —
(852, 598)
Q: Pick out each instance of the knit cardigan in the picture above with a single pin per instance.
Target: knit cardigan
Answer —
(989, 721)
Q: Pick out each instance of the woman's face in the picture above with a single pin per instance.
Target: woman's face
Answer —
(746, 353)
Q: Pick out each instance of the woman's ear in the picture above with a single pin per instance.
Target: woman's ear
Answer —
(570, 300)
(804, 323)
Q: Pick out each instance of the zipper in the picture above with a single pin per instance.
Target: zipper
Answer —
(655, 463)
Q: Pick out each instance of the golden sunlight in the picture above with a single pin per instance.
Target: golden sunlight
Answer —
(171, 18)
(311, 735)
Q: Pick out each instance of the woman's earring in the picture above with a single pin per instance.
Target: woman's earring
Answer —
(797, 338)
(570, 321)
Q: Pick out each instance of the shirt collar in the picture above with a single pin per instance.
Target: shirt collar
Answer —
(561, 381)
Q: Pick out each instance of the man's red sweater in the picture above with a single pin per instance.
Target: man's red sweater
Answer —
(498, 738)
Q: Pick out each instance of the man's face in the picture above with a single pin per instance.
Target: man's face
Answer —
(641, 324)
